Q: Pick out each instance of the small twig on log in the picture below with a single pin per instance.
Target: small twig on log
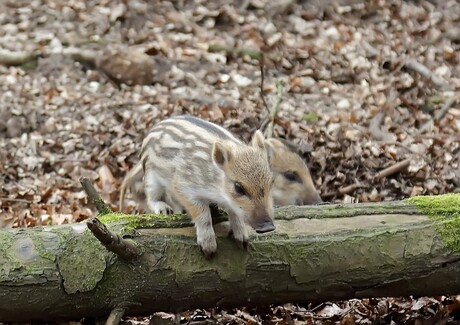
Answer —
(113, 242)
(100, 205)
(416, 66)
(393, 169)
(115, 316)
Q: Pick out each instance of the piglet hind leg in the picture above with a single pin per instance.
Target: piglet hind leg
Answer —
(201, 216)
(154, 191)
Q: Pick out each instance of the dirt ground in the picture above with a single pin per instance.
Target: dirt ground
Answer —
(368, 90)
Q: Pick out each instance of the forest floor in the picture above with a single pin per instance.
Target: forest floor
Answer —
(363, 86)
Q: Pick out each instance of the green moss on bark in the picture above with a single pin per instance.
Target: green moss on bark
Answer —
(82, 263)
(444, 211)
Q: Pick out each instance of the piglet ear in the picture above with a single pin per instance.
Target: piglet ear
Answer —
(258, 140)
(221, 154)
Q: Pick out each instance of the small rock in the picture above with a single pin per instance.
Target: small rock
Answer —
(272, 40)
(332, 33)
(241, 81)
(224, 78)
(270, 29)
(453, 34)
(307, 82)
(302, 26)
(55, 44)
(343, 104)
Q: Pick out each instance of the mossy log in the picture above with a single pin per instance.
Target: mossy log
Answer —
(319, 253)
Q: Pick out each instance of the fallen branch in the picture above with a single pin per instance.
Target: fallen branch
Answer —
(114, 243)
(416, 66)
(393, 169)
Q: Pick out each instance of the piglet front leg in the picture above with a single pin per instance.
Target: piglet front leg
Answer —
(201, 216)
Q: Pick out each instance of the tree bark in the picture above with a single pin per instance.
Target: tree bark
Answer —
(319, 253)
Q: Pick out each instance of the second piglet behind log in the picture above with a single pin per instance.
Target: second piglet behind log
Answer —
(293, 183)
(198, 163)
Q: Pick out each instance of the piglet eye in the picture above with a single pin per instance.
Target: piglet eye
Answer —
(239, 189)
(291, 176)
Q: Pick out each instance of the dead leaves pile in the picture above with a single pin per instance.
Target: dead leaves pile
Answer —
(439, 310)
(370, 92)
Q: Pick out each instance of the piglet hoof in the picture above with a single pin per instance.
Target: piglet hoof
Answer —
(209, 255)
(162, 208)
(241, 241)
(209, 248)
(242, 244)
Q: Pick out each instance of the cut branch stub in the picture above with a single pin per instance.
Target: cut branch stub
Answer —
(126, 249)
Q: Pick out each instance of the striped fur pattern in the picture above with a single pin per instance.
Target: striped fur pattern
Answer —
(189, 163)
(293, 184)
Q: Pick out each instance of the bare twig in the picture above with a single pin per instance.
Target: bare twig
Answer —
(115, 316)
(252, 53)
(113, 242)
(22, 57)
(416, 66)
(15, 200)
(343, 190)
(262, 77)
(399, 144)
(439, 114)
(274, 109)
(17, 57)
(266, 119)
(100, 205)
(393, 169)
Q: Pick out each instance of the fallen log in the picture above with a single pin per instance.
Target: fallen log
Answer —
(317, 253)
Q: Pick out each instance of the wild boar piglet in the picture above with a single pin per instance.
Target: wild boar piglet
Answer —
(191, 163)
(293, 183)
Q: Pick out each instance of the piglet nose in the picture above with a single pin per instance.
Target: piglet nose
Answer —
(266, 226)
(310, 200)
